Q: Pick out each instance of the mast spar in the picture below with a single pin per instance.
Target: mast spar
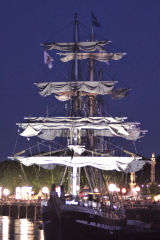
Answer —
(92, 108)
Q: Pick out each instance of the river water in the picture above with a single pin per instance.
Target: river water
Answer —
(19, 229)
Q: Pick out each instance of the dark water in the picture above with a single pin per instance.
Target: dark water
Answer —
(25, 229)
(19, 229)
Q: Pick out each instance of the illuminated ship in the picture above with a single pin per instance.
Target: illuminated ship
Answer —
(83, 132)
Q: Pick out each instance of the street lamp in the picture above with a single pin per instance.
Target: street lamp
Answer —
(112, 187)
(123, 190)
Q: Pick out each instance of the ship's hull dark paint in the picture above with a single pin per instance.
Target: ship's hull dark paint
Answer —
(74, 225)
(77, 231)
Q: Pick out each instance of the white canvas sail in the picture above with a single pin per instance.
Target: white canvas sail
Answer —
(64, 90)
(77, 119)
(102, 57)
(94, 87)
(125, 164)
(49, 128)
(70, 46)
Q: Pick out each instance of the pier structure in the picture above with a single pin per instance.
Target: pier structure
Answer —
(18, 210)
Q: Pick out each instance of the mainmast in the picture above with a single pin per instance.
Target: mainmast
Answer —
(91, 78)
(95, 174)
(90, 136)
(75, 99)
(76, 49)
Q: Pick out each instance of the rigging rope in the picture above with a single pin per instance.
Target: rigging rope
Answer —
(14, 149)
(25, 176)
(134, 144)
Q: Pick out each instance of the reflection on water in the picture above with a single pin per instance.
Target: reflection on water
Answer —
(5, 228)
(19, 229)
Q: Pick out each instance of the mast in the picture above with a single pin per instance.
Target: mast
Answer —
(91, 78)
(74, 99)
(91, 62)
(90, 170)
(76, 50)
(95, 173)
(76, 170)
(91, 97)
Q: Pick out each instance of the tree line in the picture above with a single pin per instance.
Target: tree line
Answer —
(13, 174)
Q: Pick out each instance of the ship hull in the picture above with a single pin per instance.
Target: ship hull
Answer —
(76, 222)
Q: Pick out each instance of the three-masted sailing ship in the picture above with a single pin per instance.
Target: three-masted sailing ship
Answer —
(84, 131)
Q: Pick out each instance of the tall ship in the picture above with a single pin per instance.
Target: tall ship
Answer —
(80, 140)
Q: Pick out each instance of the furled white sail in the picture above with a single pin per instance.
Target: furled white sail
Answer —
(65, 133)
(63, 97)
(101, 56)
(71, 46)
(49, 128)
(125, 164)
(116, 93)
(93, 87)
(77, 149)
(119, 93)
(77, 119)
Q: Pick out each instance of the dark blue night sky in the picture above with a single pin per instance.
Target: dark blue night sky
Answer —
(132, 26)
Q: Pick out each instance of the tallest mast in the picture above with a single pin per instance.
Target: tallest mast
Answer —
(91, 78)
(76, 49)
(75, 171)
(75, 97)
